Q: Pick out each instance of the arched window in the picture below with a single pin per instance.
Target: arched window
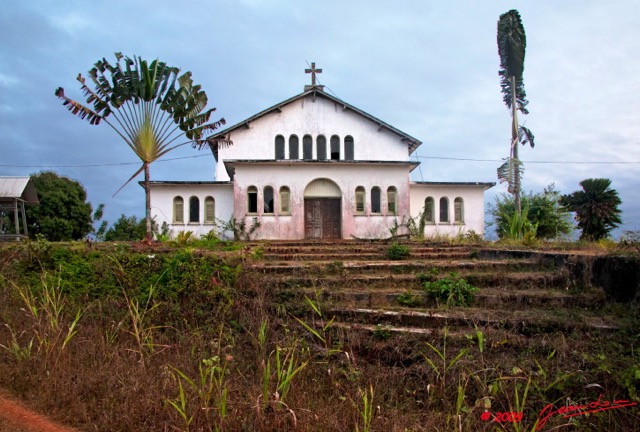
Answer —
(458, 210)
(375, 199)
(348, 147)
(284, 200)
(252, 199)
(268, 199)
(294, 151)
(321, 142)
(335, 147)
(178, 210)
(279, 147)
(307, 147)
(194, 210)
(360, 202)
(209, 210)
(444, 209)
(391, 199)
(429, 210)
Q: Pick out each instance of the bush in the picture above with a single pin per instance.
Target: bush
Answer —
(451, 290)
(398, 251)
(408, 299)
(553, 221)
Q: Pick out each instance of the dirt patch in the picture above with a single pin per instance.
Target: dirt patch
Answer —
(16, 418)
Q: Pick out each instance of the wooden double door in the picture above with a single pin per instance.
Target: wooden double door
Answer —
(322, 218)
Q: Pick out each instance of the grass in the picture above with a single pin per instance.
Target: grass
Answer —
(212, 353)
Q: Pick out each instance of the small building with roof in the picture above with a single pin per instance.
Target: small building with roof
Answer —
(15, 193)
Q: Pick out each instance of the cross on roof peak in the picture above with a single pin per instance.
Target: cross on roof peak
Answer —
(313, 71)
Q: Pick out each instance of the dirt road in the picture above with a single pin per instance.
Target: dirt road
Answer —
(16, 418)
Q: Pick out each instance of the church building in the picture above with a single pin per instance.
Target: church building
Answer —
(316, 167)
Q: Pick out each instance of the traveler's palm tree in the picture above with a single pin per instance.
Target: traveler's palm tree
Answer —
(596, 208)
(512, 43)
(151, 107)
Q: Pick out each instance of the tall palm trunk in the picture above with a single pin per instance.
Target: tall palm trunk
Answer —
(514, 145)
(147, 194)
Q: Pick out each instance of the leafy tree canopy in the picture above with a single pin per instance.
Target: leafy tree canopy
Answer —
(596, 208)
(553, 220)
(63, 213)
(126, 229)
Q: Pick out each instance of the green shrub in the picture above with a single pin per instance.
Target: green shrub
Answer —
(408, 299)
(451, 290)
(398, 251)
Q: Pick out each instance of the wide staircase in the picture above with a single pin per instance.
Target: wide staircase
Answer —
(356, 284)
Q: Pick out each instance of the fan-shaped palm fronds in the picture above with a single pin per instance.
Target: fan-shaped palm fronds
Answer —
(151, 107)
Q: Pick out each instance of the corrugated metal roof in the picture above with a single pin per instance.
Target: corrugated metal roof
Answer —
(18, 187)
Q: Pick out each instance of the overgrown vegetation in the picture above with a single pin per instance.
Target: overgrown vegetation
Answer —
(451, 290)
(398, 251)
(121, 337)
(544, 212)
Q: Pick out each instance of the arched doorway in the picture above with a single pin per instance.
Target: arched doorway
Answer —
(322, 210)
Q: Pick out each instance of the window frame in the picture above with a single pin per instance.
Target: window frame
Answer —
(178, 200)
(321, 147)
(458, 211)
(429, 216)
(361, 200)
(267, 193)
(376, 200)
(307, 147)
(294, 147)
(210, 210)
(349, 148)
(443, 213)
(334, 147)
(280, 147)
(392, 200)
(194, 211)
(252, 190)
(285, 200)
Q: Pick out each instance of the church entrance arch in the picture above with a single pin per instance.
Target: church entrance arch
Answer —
(322, 210)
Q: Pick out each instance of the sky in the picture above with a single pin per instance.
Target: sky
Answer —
(427, 67)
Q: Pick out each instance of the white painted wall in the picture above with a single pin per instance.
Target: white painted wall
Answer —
(313, 117)
(297, 175)
(162, 196)
(473, 198)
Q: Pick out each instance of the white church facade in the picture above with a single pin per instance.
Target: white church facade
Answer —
(315, 167)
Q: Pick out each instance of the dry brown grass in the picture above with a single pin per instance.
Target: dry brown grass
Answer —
(99, 382)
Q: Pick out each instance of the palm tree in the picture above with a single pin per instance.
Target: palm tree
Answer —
(512, 43)
(596, 208)
(151, 107)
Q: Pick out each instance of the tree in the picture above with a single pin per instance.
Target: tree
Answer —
(552, 220)
(149, 106)
(512, 43)
(126, 229)
(63, 213)
(596, 208)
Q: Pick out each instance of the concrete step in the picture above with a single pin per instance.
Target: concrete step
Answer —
(404, 281)
(486, 297)
(332, 255)
(351, 267)
(527, 322)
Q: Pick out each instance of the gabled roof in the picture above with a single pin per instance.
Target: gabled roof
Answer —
(223, 137)
(18, 187)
